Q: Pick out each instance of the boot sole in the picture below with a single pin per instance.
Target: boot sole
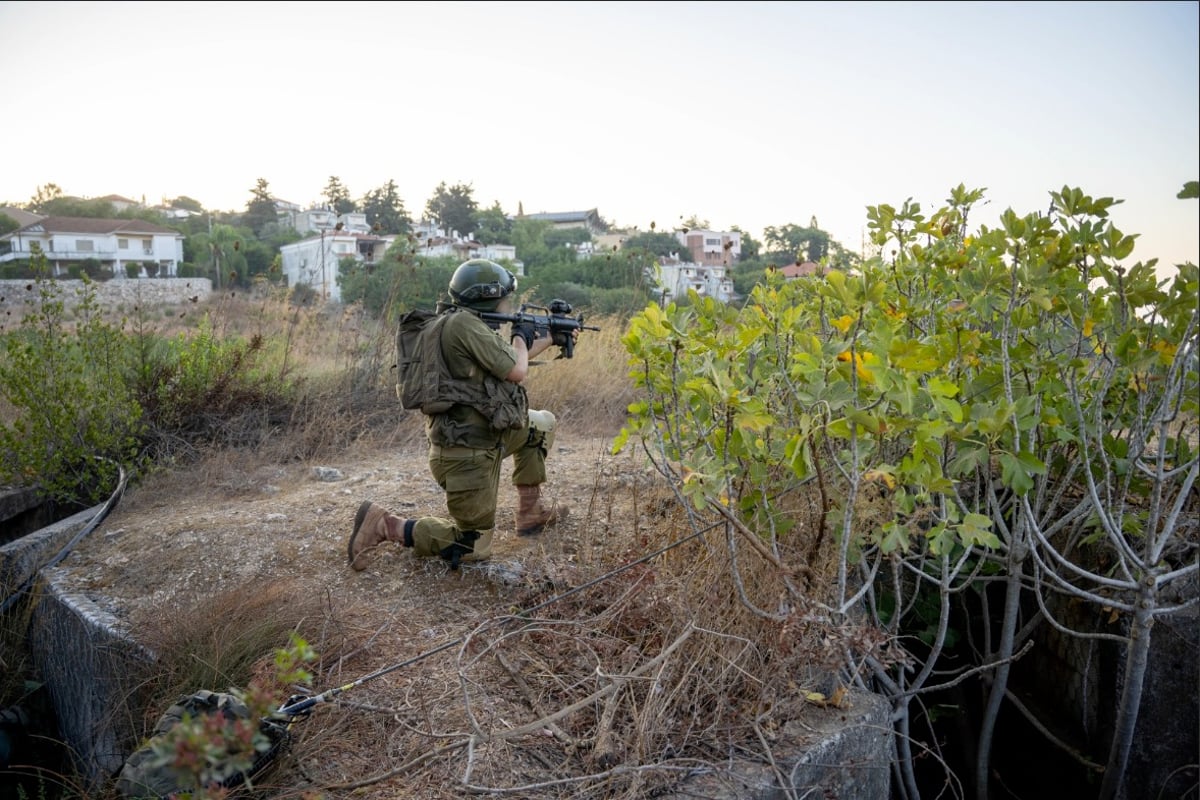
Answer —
(358, 521)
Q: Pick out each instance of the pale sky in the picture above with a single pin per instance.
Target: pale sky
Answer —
(743, 113)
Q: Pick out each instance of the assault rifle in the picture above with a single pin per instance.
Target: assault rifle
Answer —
(555, 322)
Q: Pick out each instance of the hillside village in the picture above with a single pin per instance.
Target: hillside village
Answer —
(136, 248)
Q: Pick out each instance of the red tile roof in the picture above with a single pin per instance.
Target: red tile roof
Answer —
(95, 225)
(802, 270)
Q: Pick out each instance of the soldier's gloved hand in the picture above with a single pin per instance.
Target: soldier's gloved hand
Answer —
(526, 331)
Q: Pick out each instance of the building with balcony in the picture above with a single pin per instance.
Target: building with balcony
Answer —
(675, 278)
(314, 261)
(113, 242)
(315, 220)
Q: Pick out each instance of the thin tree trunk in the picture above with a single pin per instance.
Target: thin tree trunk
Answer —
(987, 727)
(1136, 660)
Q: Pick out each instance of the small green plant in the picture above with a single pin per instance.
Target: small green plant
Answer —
(210, 753)
(75, 420)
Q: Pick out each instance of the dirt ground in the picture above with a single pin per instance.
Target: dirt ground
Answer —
(231, 522)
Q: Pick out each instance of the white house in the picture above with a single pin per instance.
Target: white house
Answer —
(324, 219)
(113, 242)
(314, 261)
(676, 277)
(431, 241)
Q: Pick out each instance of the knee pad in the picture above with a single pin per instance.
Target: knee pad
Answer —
(541, 429)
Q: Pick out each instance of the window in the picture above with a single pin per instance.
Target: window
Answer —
(122, 244)
(148, 247)
(84, 245)
(712, 242)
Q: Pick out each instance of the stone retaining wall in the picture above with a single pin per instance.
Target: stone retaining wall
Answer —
(126, 292)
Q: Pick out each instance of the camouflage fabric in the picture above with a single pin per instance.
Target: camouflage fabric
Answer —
(142, 777)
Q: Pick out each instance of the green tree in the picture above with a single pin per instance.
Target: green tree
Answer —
(8, 224)
(556, 238)
(258, 256)
(529, 237)
(399, 282)
(453, 208)
(750, 246)
(793, 243)
(1023, 401)
(337, 197)
(385, 210)
(493, 226)
(220, 255)
(185, 203)
(653, 242)
(260, 210)
(75, 207)
(43, 195)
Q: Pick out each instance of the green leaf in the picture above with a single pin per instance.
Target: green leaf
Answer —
(976, 529)
(950, 407)
(895, 538)
(1032, 463)
(1014, 475)
(939, 387)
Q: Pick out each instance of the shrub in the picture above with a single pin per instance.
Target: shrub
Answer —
(74, 417)
(15, 270)
(92, 267)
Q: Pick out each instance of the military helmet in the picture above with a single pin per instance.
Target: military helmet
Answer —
(481, 284)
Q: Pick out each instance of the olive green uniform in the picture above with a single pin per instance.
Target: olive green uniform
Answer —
(465, 451)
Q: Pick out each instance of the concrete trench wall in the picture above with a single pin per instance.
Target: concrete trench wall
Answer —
(84, 655)
(843, 753)
(1079, 682)
(86, 660)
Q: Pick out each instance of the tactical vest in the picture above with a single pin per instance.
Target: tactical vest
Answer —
(426, 382)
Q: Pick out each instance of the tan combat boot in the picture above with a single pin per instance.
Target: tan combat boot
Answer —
(372, 527)
(532, 516)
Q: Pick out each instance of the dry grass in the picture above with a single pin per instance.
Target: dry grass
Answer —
(229, 638)
(626, 653)
(632, 665)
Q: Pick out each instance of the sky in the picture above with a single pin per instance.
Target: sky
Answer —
(745, 114)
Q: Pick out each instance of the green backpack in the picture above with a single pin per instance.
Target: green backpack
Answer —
(145, 776)
(425, 382)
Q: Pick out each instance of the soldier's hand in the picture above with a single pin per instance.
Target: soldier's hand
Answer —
(526, 331)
